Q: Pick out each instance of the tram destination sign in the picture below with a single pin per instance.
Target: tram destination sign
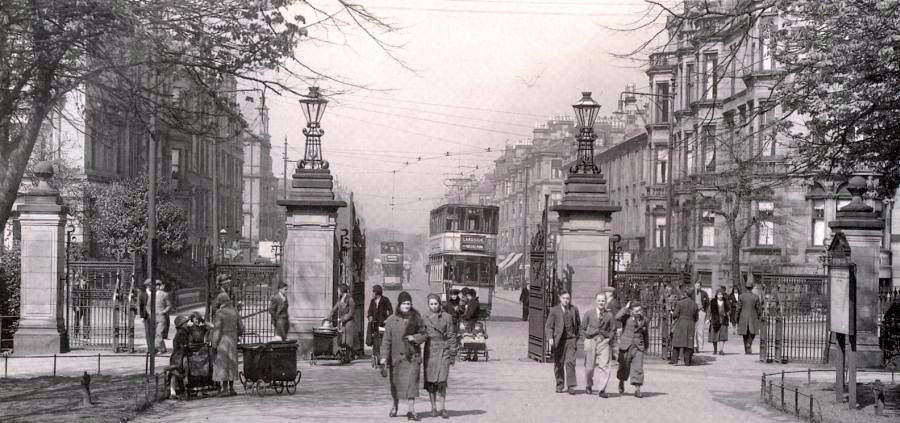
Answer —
(472, 243)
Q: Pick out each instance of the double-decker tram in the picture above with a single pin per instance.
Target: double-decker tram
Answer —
(463, 250)
(392, 264)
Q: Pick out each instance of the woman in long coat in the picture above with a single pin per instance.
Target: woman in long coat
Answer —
(440, 353)
(343, 310)
(719, 316)
(225, 340)
(685, 315)
(404, 332)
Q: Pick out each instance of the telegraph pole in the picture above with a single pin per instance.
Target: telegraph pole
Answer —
(525, 224)
(285, 157)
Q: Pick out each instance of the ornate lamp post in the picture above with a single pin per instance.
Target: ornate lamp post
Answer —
(586, 111)
(313, 107)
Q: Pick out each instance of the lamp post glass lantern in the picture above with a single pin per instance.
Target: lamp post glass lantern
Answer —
(313, 107)
(222, 234)
(586, 111)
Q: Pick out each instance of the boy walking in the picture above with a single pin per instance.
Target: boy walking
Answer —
(632, 345)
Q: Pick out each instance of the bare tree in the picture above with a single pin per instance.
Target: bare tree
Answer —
(130, 53)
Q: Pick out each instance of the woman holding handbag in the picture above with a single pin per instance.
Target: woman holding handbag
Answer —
(404, 333)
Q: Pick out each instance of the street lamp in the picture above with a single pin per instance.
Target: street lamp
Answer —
(222, 234)
(586, 111)
(313, 107)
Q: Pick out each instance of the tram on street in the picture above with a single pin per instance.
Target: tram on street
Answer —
(463, 250)
(392, 264)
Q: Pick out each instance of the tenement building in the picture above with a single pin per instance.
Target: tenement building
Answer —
(725, 156)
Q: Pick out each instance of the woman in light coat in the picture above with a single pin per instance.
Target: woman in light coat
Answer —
(404, 333)
(224, 340)
(440, 353)
(343, 311)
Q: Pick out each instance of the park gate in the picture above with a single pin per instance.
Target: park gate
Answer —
(252, 286)
(542, 289)
(794, 321)
(101, 305)
(650, 289)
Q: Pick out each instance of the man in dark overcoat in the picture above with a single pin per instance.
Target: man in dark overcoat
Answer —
(561, 332)
(523, 299)
(748, 311)
(685, 315)
(379, 310)
(278, 311)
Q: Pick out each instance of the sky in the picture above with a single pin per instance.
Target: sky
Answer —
(465, 76)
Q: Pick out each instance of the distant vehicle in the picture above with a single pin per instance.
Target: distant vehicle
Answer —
(392, 264)
(463, 250)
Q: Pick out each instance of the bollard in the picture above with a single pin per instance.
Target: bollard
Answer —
(809, 376)
(797, 402)
(98, 364)
(879, 398)
(782, 398)
(54, 365)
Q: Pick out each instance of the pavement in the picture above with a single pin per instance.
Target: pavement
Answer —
(77, 362)
(508, 388)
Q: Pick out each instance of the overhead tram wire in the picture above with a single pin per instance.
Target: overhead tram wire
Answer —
(509, 12)
(449, 141)
(458, 125)
(419, 110)
(451, 106)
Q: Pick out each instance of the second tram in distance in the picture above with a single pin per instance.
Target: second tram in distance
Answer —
(463, 250)
(392, 264)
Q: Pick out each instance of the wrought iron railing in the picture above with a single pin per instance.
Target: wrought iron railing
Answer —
(8, 326)
(794, 321)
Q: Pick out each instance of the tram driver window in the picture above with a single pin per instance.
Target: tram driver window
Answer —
(471, 273)
(473, 220)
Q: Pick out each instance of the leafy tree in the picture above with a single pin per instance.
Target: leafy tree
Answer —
(116, 218)
(843, 58)
(131, 53)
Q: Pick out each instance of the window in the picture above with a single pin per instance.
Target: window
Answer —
(556, 169)
(689, 152)
(555, 199)
(818, 223)
(766, 132)
(662, 164)
(765, 215)
(473, 220)
(176, 163)
(705, 279)
(689, 84)
(709, 149)
(710, 75)
(659, 232)
(708, 230)
(662, 102)
(766, 43)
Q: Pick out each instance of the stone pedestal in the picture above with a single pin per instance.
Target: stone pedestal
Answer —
(43, 218)
(863, 230)
(308, 255)
(582, 255)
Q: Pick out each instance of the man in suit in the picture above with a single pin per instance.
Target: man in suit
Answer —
(701, 298)
(748, 311)
(163, 308)
(278, 310)
(597, 327)
(632, 345)
(561, 332)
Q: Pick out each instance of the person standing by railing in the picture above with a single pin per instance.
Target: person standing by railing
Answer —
(163, 308)
(278, 311)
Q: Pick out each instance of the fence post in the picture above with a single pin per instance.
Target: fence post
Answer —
(797, 402)
(146, 364)
(811, 408)
(98, 364)
(782, 395)
(809, 376)
(770, 392)
(5, 365)
(762, 388)
(54, 365)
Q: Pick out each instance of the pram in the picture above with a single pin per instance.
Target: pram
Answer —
(324, 347)
(197, 365)
(273, 364)
(474, 345)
